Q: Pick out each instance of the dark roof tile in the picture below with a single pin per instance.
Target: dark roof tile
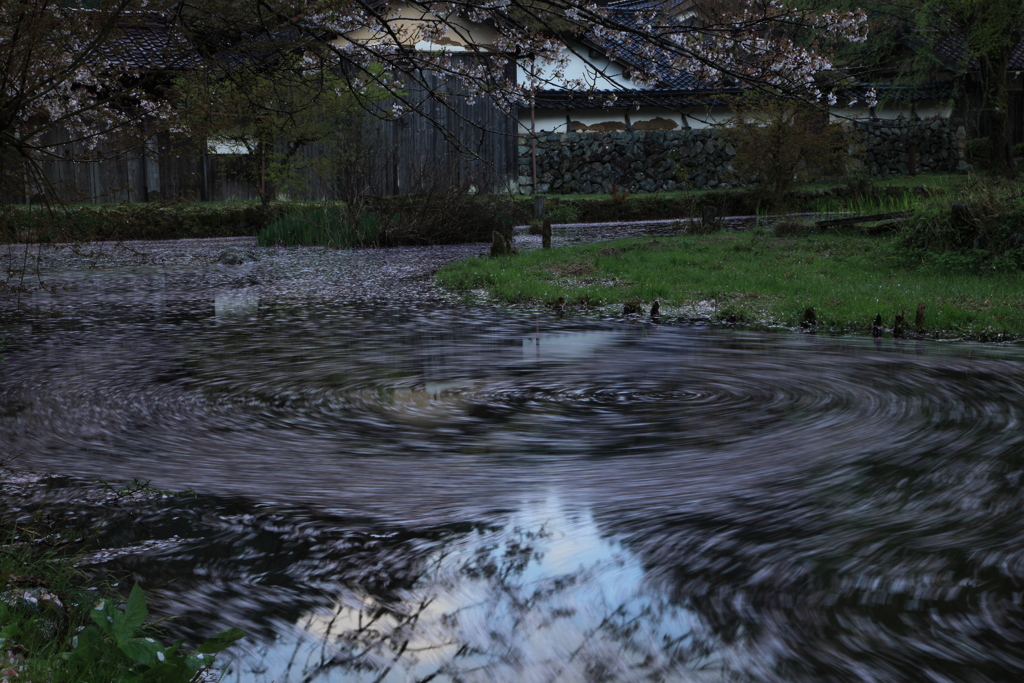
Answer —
(147, 43)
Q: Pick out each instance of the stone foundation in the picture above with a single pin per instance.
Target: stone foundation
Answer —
(701, 159)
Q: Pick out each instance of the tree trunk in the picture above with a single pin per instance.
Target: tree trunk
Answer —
(996, 112)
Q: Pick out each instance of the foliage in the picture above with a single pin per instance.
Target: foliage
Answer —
(172, 220)
(781, 143)
(175, 220)
(53, 629)
(990, 31)
(62, 69)
(562, 212)
(977, 151)
(115, 648)
(272, 113)
(273, 77)
(981, 229)
(766, 280)
(433, 218)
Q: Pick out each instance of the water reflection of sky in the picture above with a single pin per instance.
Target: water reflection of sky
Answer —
(543, 597)
(478, 494)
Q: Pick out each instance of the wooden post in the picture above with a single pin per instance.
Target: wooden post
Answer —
(533, 121)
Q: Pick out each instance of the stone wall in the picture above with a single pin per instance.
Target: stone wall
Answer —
(888, 147)
(652, 161)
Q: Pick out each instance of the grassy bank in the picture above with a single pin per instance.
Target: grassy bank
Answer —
(431, 219)
(757, 279)
(59, 624)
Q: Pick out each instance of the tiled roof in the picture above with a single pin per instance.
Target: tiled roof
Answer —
(629, 51)
(145, 42)
(679, 88)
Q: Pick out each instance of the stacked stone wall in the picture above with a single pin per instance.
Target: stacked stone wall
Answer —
(887, 148)
(701, 159)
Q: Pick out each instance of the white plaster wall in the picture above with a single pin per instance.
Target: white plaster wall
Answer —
(926, 109)
(598, 73)
(406, 21)
(554, 120)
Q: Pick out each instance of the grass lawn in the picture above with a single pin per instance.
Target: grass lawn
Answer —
(755, 279)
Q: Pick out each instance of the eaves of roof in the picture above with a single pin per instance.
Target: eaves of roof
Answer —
(666, 97)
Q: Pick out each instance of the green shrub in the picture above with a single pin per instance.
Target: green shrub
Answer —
(780, 143)
(139, 221)
(982, 230)
(977, 152)
(563, 212)
(394, 221)
(55, 630)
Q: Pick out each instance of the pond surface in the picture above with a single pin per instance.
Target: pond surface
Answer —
(389, 486)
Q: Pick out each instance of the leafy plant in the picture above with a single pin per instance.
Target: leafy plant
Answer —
(563, 212)
(116, 643)
(170, 220)
(977, 151)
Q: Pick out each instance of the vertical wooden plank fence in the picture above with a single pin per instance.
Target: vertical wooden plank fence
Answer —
(449, 140)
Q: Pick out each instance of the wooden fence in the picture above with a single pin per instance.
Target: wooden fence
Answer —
(447, 140)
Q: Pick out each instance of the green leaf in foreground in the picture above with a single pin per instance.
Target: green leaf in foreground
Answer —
(222, 640)
(135, 612)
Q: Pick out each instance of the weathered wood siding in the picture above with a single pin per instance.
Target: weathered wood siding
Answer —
(448, 140)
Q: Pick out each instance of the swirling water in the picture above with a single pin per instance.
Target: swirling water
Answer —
(390, 486)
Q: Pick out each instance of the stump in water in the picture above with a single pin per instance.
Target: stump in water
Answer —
(919, 318)
(632, 307)
(809, 320)
(656, 311)
(546, 234)
(877, 329)
(899, 326)
(501, 245)
(233, 256)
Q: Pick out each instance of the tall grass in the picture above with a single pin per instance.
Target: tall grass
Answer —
(877, 204)
(980, 229)
(329, 225)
